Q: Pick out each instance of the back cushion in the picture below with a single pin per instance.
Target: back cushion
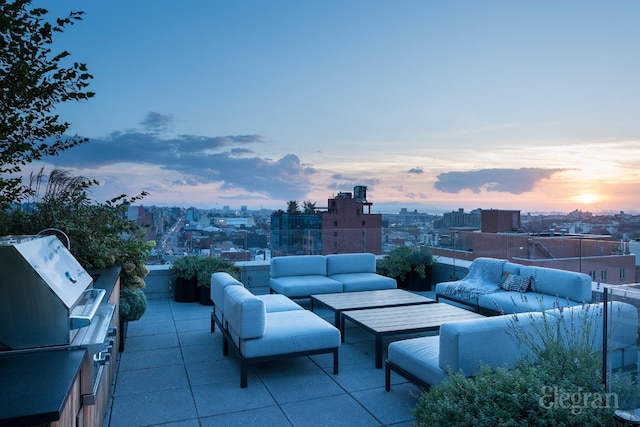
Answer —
(564, 284)
(351, 263)
(219, 281)
(511, 268)
(244, 313)
(298, 265)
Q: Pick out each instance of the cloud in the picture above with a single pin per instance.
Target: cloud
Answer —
(416, 171)
(157, 121)
(223, 160)
(514, 181)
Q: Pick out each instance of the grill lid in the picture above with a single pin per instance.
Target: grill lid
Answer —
(42, 292)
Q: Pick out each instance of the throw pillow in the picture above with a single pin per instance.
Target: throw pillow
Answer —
(503, 280)
(517, 283)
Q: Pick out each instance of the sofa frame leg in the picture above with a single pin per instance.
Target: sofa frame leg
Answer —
(387, 377)
(244, 368)
(335, 362)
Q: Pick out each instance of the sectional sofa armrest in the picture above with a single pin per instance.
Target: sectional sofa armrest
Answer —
(245, 314)
(219, 281)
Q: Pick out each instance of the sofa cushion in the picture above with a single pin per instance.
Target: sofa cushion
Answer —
(508, 302)
(350, 263)
(290, 332)
(299, 265)
(303, 286)
(511, 267)
(418, 356)
(245, 314)
(353, 282)
(564, 284)
(274, 303)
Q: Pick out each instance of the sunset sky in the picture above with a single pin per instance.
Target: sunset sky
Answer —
(433, 105)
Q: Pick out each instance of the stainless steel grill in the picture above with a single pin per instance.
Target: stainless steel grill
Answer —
(47, 300)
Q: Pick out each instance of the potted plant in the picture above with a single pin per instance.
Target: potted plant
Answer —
(205, 268)
(411, 267)
(185, 277)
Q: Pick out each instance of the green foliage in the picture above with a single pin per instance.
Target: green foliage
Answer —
(209, 265)
(402, 260)
(133, 303)
(308, 207)
(185, 267)
(292, 207)
(100, 234)
(558, 384)
(34, 82)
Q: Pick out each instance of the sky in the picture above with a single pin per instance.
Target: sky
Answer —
(433, 105)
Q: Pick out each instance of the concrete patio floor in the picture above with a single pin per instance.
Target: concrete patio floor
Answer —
(172, 373)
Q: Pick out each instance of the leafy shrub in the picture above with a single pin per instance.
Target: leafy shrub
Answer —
(185, 267)
(133, 303)
(209, 265)
(403, 260)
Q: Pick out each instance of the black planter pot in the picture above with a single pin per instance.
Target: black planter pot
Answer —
(413, 281)
(124, 325)
(205, 295)
(185, 290)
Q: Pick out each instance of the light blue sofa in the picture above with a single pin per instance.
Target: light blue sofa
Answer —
(483, 288)
(220, 280)
(466, 346)
(304, 275)
(256, 335)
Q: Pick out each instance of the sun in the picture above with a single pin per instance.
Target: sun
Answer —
(588, 198)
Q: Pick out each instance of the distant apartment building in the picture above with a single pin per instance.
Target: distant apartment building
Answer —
(605, 260)
(460, 218)
(346, 226)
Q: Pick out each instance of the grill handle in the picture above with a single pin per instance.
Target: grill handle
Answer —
(84, 319)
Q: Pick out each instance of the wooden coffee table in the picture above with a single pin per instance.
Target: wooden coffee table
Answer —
(342, 301)
(387, 321)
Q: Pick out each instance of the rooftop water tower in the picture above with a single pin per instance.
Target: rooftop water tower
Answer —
(360, 193)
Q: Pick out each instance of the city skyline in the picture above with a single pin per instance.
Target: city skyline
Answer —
(433, 106)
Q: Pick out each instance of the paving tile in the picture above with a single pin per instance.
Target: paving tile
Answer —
(296, 385)
(228, 397)
(151, 327)
(148, 409)
(218, 371)
(151, 342)
(194, 325)
(151, 380)
(270, 416)
(150, 358)
(390, 407)
(340, 410)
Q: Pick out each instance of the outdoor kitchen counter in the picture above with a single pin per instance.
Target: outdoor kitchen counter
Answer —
(35, 386)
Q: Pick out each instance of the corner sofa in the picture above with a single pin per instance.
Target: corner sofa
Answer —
(267, 327)
(303, 275)
(466, 346)
(496, 286)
